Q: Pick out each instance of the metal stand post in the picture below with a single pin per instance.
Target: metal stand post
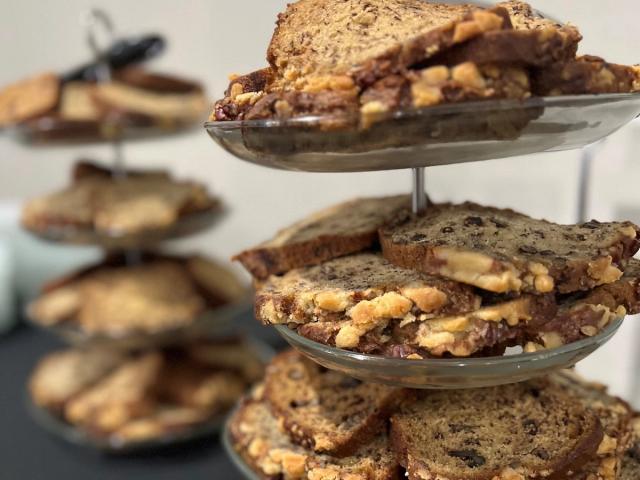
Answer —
(419, 201)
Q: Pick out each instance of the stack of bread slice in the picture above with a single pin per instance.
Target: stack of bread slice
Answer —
(461, 280)
(367, 59)
(307, 422)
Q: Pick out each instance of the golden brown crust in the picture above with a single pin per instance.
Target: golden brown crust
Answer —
(505, 251)
(336, 231)
(369, 40)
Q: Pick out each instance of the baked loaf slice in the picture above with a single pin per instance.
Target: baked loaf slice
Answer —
(257, 437)
(28, 99)
(138, 94)
(534, 40)
(339, 230)
(122, 396)
(367, 40)
(505, 251)
(104, 203)
(589, 314)
(324, 410)
(189, 383)
(160, 293)
(158, 424)
(585, 75)
(242, 93)
(62, 375)
(630, 469)
(523, 431)
(479, 332)
(364, 290)
(615, 416)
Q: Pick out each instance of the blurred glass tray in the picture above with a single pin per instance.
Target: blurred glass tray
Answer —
(448, 373)
(59, 428)
(439, 135)
(52, 130)
(185, 226)
(213, 322)
(234, 456)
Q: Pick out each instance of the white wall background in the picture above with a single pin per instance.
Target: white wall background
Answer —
(209, 39)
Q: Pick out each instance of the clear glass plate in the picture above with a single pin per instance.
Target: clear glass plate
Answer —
(213, 322)
(59, 428)
(439, 135)
(234, 456)
(186, 226)
(448, 373)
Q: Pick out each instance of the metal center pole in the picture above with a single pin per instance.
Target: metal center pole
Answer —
(419, 202)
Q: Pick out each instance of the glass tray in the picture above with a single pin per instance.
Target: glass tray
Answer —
(59, 428)
(186, 226)
(234, 456)
(52, 130)
(448, 373)
(439, 135)
(213, 322)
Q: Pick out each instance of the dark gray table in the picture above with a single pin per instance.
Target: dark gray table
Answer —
(29, 453)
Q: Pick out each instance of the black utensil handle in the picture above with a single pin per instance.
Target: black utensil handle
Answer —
(123, 52)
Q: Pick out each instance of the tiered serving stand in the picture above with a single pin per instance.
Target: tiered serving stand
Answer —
(416, 139)
(214, 322)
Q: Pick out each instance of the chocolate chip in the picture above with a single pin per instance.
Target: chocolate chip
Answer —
(547, 253)
(498, 223)
(447, 230)
(470, 457)
(528, 249)
(530, 426)
(418, 237)
(298, 403)
(634, 453)
(473, 221)
(541, 453)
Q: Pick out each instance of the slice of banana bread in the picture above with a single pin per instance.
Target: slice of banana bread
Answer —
(367, 40)
(630, 469)
(257, 437)
(534, 40)
(326, 411)
(29, 98)
(122, 396)
(339, 230)
(60, 376)
(463, 335)
(521, 431)
(615, 416)
(241, 94)
(588, 314)
(365, 290)
(505, 251)
(585, 75)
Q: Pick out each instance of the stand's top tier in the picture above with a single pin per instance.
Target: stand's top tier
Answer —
(439, 135)
(107, 99)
